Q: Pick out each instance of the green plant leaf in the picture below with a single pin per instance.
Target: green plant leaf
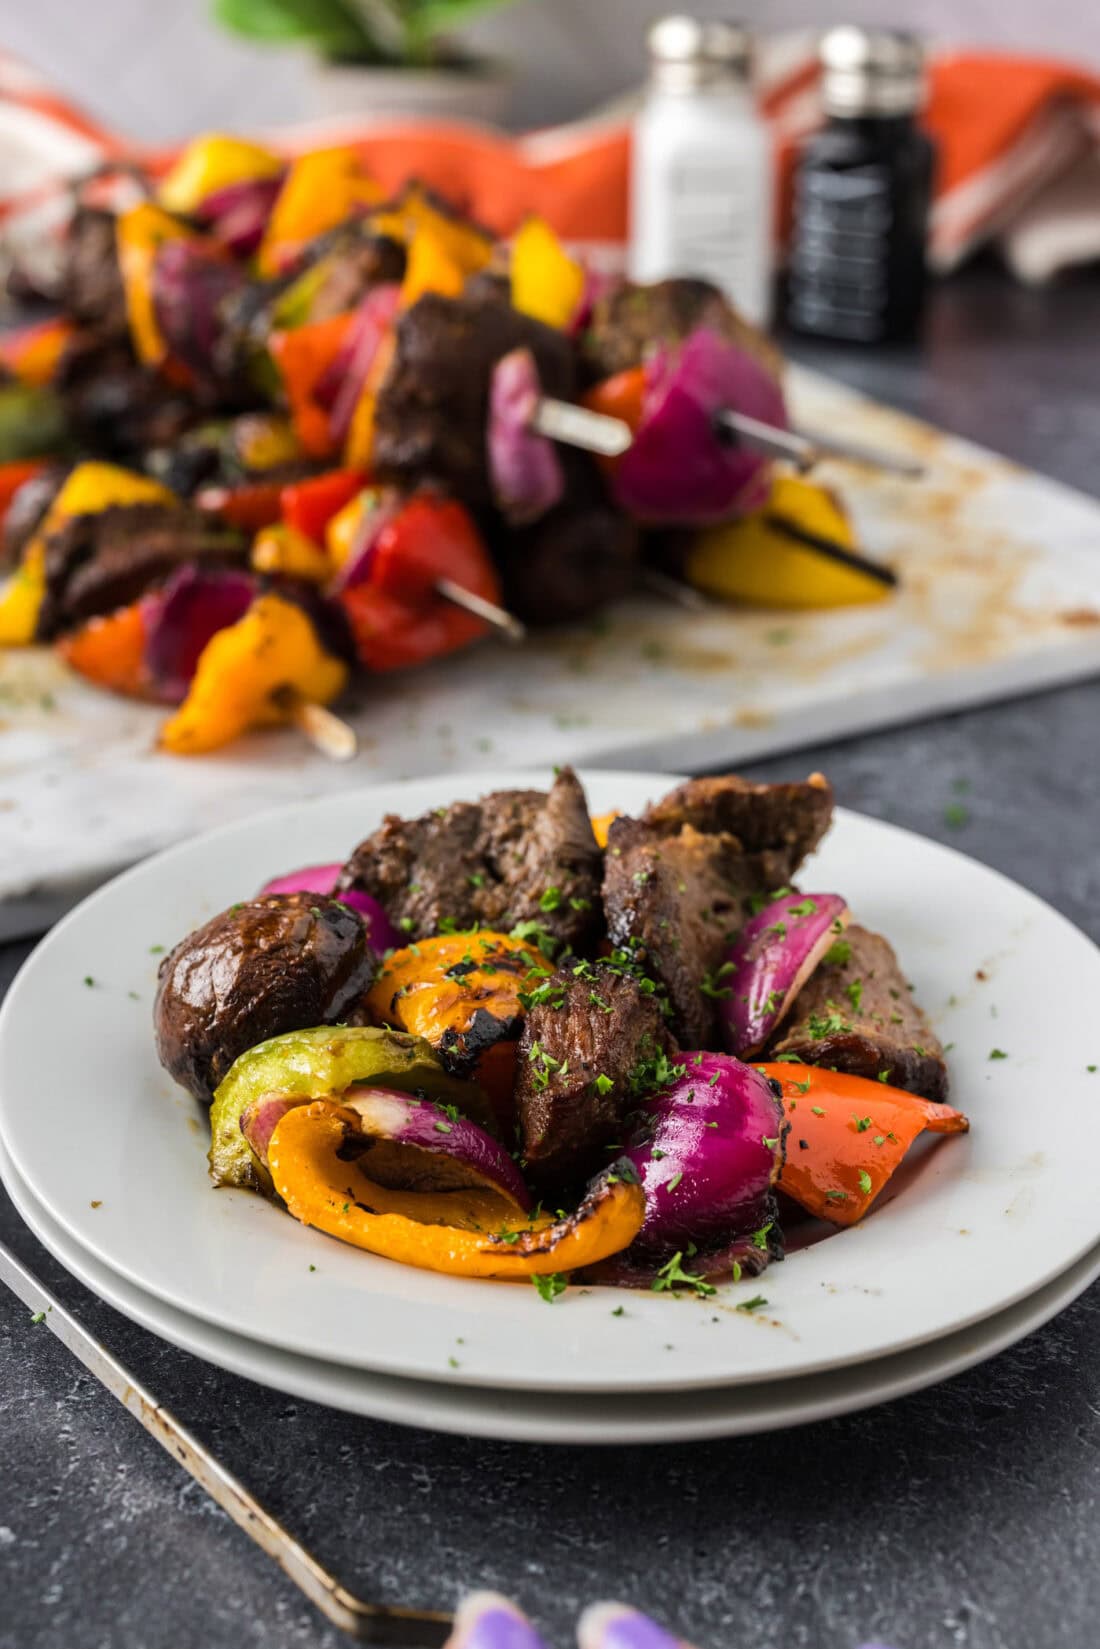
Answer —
(427, 19)
(329, 26)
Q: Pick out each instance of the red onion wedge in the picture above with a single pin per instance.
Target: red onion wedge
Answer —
(181, 618)
(190, 287)
(322, 879)
(237, 214)
(407, 1144)
(341, 386)
(773, 956)
(714, 1150)
(677, 467)
(524, 468)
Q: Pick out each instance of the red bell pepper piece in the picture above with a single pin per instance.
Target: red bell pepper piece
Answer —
(12, 477)
(250, 506)
(397, 615)
(309, 506)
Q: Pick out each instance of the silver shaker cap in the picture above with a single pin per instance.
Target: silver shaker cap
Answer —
(686, 52)
(871, 71)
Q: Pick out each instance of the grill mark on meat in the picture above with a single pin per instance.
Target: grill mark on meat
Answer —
(487, 864)
(95, 563)
(676, 880)
(599, 1024)
(860, 1016)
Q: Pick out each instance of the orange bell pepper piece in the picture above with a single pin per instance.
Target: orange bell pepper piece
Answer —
(32, 352)
(251, 674)
(321, 190)
(620, 396)
(465, 1234)
(848, 1135)
(438, 987)
(601, 824)
(111, 651)
(303, 356)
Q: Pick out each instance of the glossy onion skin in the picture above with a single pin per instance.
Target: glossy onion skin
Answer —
(524, 468)
(713, 1153)
(677, 468)
(431, 1147)
(769, 962)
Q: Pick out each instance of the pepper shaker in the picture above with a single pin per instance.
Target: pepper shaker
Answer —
(862, 191)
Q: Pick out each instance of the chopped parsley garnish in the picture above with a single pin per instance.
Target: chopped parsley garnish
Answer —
(836, 1196)
(754, 1304)
(406, 924)
(551, 1285)
(880, 1139)
(711, 983)
(854, 992)
(577, 903)
(550, 994)
(476, 878)
(674, 1181)
(550, 898)
(761, 901)
(806, 908)
(619, 1311)
(443, 1128)
(817, 1111)
(997, 1053)
(839, 952)
(603, 1084)
(773, 1002)
(769, 1144)
(39, 1317)
(865, 1182)
(830, 1024)
(883, 1076)
(88, 980)
(760, 1238)
(803, 1087)
(535, 932)
(672, 1275)
(862, 1124)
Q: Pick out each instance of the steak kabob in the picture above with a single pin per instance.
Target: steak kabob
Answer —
(321, 433)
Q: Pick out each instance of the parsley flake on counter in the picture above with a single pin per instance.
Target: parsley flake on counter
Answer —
(88, 980)
(997, 1053)
(619, 1311)
(550, 1285)
(955, 815)
(39, 1317)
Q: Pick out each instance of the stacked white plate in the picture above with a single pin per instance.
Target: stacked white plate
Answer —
(984, 1237)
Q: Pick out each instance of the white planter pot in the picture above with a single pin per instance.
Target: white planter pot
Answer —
(481, 93)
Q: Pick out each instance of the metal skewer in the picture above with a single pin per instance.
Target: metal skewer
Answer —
(325, 731)
(831, 550)
(610, 437)
(365, 1622)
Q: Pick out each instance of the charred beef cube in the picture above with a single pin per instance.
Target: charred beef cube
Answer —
(580, 555)
(90, 287)
(514, 856)
(857, 1014)
(117, 407)
(350, 260)
(779, 824)
(95, 563)
(591, 1035)
(26, 511)
(676, 880)
(430, 420)
(630, 320)
(285, 962)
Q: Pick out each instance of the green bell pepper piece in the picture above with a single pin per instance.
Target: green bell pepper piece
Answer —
(317, 1064)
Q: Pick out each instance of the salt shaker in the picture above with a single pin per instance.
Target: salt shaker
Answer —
(862, 190)
(702, 188)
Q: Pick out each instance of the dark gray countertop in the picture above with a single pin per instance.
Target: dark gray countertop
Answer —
(961, 1518)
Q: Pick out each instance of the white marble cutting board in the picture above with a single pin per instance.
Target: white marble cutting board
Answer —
(1000, 593)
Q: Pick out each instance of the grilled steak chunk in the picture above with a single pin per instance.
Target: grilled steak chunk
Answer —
(859, 1016)
(281, 963)
(586, 1042)
(115, 406)
(513, 856)
(580, 555)
(90, 285)
(629, 320)
(433, 405)
(95, 563)
(676, 880)
(26, 511)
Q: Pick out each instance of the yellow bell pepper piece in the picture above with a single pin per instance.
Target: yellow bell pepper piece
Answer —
(92, 487)
(21, 597)
(88, 489)
(139, 234)
(321, 190)
(250, 674)
(750, 561)
(547, 283)
(283, 549)
(210, 163)
(465, 244)
(431, 267)
(264, 440)
(342, 532)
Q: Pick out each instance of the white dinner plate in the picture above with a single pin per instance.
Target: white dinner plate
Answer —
(541, 1417)
(115, 1153)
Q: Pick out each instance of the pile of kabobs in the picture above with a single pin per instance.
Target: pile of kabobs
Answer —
(277, 429)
